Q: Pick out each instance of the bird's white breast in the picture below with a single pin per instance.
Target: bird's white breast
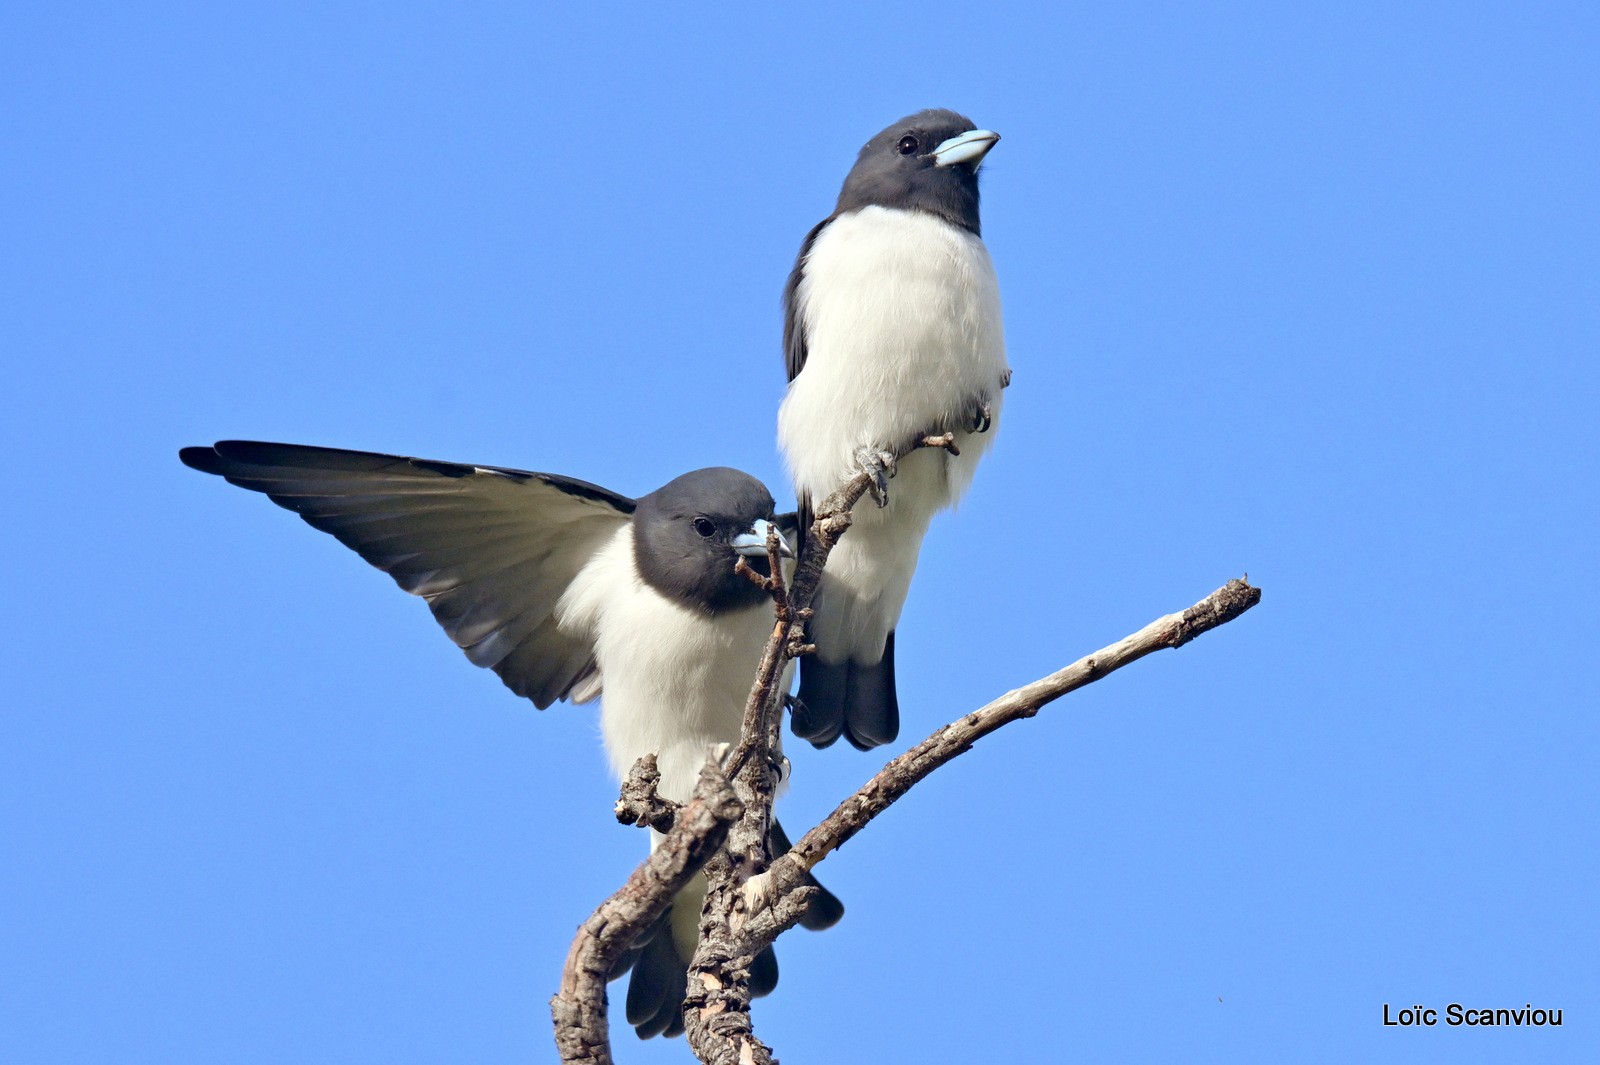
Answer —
(902, 319)
(675, 678)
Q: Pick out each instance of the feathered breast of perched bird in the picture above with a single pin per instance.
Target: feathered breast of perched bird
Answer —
(901, 312)
(657, 655)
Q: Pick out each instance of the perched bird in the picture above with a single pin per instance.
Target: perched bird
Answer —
(891, 331)
(566, 589)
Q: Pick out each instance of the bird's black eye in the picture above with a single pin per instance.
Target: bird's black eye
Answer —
(705, 527)
(908, 144)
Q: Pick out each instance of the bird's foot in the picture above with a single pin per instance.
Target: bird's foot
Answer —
(982, 418)
(878, 465)
(979, 415)
(758, 893)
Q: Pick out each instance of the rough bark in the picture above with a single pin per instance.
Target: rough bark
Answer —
(722, 831)
(579, 1009)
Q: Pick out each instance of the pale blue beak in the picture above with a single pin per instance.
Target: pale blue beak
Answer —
(968, 147)
(753, 544)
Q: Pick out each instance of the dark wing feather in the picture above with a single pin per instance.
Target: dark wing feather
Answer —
(490, 549)
(794, 328)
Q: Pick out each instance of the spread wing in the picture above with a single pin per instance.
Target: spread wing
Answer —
(490, 549)
(794, 326)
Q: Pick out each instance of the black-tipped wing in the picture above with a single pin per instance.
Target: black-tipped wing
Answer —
(490, 549)
(794, 327)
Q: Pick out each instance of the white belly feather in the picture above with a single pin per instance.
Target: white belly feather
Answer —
(674, 679)
(903, 328)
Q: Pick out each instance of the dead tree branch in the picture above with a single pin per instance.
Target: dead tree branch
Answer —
(698, 830)
(640, 804)
(717, 1006)
(723, 831)
(900, 775)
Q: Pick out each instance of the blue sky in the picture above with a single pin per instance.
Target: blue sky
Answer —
(1307, 291)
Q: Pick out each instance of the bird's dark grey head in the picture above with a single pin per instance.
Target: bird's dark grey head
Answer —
(689, 534)
(927, 161)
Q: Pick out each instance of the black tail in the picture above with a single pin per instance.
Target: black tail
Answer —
(824, 909)
(847, 699)
(661, 978)
(661, 975)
